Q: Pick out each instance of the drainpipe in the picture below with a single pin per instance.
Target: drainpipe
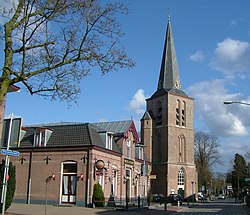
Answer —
(87, 180)
(29, 179)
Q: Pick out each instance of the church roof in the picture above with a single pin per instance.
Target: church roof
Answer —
(163, 91)
(169, 74)
(146, 116)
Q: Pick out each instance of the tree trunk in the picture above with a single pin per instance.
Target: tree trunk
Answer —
(2, 111)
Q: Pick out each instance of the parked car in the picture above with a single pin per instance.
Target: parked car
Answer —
(175, 198)
(212, 197)
(221, 196)
(157, 197)
(200, 196)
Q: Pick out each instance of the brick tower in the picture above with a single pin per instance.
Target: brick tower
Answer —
(168, 131)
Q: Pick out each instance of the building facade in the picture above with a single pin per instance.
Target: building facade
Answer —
(167, 129)
(60, 163)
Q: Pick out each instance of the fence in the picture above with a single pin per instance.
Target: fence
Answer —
(124, 203)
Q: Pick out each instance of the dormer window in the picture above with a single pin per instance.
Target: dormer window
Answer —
(41, 137)
(109, 140)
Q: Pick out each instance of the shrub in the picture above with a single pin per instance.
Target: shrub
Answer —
(150, 196)
(98, 196)
(11, 185)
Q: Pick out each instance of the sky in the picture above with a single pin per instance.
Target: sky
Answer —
(212, 42)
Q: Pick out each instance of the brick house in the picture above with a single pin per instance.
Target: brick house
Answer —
(79, 155)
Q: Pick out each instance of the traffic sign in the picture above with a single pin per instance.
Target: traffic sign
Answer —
(10, 152)
(247, 179)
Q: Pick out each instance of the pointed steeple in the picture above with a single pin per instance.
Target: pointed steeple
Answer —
(169, 74)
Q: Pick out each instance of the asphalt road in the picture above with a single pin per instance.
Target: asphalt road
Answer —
(219, 207)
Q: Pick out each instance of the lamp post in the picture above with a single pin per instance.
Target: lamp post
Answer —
(235, 102)
(143, 171)
(126, 193)
(192, 182)
(51, 177)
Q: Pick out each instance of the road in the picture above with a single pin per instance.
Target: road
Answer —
(222, 207)
(219, 207)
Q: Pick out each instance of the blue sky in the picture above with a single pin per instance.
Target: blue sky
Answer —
(212, 42)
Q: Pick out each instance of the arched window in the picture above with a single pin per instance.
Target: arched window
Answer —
(183, 114)
(178, 112)
(159, 145)
(159, 114)
(181, 177)
(114, 180)
(182, 148)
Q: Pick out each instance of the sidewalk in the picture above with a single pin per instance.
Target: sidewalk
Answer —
(35, 209)
(246, 208)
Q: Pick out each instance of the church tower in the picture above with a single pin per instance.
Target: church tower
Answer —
(168, 131)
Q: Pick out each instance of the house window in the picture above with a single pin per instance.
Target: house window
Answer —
(101, 179)
(180, 177)
(183, 114)
(128, 148)
(114, 182)
(109, 141)
(140, 153)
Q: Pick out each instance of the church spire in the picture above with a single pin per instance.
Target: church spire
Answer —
(169, 74)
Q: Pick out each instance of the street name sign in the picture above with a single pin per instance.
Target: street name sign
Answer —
(247, 179)
(10, 152)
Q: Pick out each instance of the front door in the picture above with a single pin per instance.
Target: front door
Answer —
(69, 189)
(69, 181)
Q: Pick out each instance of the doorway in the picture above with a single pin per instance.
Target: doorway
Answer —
(69, 181)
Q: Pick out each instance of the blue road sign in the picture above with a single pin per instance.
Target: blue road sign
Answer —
(10, 152)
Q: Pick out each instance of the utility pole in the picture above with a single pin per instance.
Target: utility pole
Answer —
(6, 169)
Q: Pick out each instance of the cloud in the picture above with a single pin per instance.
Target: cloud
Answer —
(233, 23)
(138, 102)
(197, 56)
(220, 119)
(231, 57)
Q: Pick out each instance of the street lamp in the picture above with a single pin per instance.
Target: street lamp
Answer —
(192, 182)
(143, 171)
(235, 102)
(127, 178)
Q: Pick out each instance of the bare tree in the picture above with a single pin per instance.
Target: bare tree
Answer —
(247, 155)
(51, 45)
(206, 155)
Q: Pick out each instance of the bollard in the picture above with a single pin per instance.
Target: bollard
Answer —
(139, 201)
(165, 206)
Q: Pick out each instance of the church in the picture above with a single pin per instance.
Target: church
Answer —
(167, 129)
